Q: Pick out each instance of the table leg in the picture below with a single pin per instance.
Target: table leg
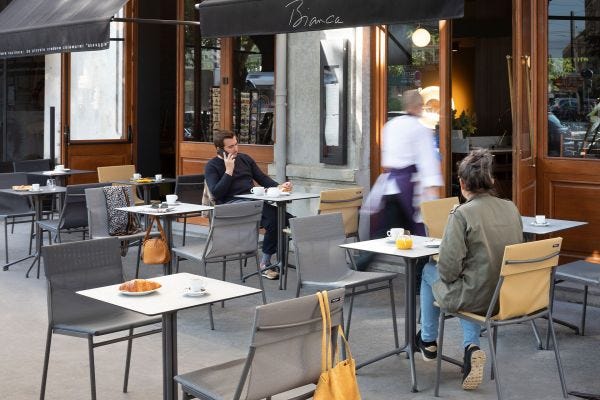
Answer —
(169, 326)
(37, 203)
(169, 233)
(281, 237)
(147, 193)
(410, 325)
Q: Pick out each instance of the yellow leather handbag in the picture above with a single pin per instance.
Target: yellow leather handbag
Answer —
(335, 382)
(155, 250)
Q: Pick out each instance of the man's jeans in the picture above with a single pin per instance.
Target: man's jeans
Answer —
(430, 314)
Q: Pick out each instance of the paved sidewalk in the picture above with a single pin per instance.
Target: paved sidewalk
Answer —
(526, 372)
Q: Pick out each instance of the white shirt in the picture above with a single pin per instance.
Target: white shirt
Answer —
(407, 142)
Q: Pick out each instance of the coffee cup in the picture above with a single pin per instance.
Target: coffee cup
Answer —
(171, 198)
(158, 177)
(273, 191)
(394, 233)
(59, 167)
(540, 219)
(258, 190)
(197, 284)
(137, 176)
(35, 187)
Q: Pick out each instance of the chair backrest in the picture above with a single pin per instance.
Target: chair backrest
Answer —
(234, 229)
(189, 188)
(294, 328)
(97, 212)
(7, 166)
(75, 266)
(9, 203)
(435, 215)
(74, 211)
(526, 277)
(318, 255)
(115, 173)
(345, 201)
(42, 164)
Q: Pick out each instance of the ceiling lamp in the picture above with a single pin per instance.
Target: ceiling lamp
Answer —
(421, 37)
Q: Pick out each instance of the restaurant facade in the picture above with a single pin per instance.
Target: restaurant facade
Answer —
(520, 77)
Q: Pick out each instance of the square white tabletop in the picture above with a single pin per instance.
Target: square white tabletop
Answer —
(43, 190)
(386, 246)
(553, 225)
(280, 198)
(174, 209)
(170, 297)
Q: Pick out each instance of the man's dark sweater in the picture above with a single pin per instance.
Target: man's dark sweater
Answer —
(224, 187)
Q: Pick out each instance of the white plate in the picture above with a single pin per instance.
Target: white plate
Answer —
(433, 243)
(39, 190)
(189, 293)
(390, 240)
(542, 224)
(62, 170)
(284, 193)
(138, 293)
(173, 204)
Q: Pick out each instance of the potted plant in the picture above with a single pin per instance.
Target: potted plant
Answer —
(463, 126)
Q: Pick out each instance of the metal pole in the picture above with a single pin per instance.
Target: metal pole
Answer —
(52, 135)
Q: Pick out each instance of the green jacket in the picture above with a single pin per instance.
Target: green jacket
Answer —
(471, 252)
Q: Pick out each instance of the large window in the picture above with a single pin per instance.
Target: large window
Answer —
(96, 91)
(574, 78)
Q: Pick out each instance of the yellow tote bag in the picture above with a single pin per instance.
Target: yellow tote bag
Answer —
(337, 382)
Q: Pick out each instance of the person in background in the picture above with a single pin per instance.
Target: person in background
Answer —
(470, 258)
(231, 173)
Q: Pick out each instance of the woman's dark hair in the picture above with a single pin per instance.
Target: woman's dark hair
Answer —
(220, 136)
(475, 170)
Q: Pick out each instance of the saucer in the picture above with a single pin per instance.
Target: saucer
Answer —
(542, 224)
(187, 292)
(390, 240)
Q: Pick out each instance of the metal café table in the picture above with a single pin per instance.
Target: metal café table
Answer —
(36, 197)
(166, 301)
(146, 185)
(281, 202)
(168, 215)
(551, 225)
(419, 249)
(61, 175)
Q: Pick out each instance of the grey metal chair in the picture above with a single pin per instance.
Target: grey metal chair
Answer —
(233, 236)
(7, 166)
(75, 266)
(321, 263)
(189, 189)
(73, 216)
(43, 164)
(292, 328)
(13, 207)
(583, 273)
(523, 293)
(98, 220)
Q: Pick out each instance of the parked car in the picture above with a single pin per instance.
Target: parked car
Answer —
(566, 108)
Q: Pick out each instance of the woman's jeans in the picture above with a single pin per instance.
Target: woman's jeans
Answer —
(430, 314)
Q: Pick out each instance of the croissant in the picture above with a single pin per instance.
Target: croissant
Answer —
(139, 285)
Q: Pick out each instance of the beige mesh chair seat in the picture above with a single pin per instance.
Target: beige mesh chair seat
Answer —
(345, 201)
(233, 236)
(523, 293)
(435, 217)
(119, 173)
(292, 328)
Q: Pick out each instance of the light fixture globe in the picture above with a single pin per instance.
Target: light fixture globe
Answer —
(421, 37)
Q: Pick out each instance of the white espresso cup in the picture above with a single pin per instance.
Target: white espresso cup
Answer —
(59, 167)
(35, 187)
(197, 284)
(273, 191)
(171, 198)
(540, 219)
(158, 177)
(258, 190)
(137, 176)
(395, 232)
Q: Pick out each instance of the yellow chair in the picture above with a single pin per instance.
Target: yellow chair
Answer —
(435, 215)
(523, 293)
(345, 201)
(119, 173)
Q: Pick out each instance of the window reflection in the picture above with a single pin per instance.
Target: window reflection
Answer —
(573, 78)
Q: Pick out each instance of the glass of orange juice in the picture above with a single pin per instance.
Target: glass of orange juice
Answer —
(404, 241)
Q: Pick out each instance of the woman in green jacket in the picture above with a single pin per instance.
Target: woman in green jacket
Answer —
(469, 261)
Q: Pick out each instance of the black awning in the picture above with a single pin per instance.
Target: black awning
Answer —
(33, 27)
(262, 17)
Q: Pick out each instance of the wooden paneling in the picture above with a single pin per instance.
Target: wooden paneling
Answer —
(378, 95)
(445, 103)
(91, 156)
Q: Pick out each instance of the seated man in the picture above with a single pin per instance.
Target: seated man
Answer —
(470, 258)
(231, 173)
